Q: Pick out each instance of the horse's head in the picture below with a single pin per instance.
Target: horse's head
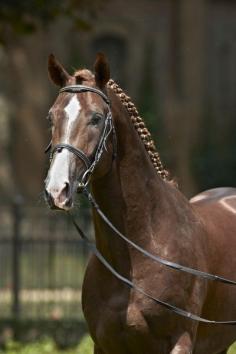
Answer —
(81, 123)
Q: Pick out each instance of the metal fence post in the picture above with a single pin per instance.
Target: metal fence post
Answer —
(16, 242)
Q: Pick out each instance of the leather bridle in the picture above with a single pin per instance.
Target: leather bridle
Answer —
(90, 166)
(108, 128)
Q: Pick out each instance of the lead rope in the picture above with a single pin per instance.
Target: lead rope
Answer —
(135, 287)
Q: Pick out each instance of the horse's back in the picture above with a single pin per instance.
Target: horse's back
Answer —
(225, 196)
(217, 210)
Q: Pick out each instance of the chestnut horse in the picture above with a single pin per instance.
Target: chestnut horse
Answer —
(131, 187)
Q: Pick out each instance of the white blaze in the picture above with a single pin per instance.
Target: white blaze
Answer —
(59, 171)
(178, 349)
(72, 111)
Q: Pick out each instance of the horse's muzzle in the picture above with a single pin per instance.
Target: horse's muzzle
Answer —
(59, 198)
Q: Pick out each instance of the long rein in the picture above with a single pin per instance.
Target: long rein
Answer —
(82, 188)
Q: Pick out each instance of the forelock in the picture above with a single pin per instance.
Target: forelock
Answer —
(84, 76)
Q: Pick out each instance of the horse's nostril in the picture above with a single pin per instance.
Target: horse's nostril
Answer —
(66, 190)
(59, 197)
(68, 202)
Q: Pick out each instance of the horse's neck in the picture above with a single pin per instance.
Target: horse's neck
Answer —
(132, 196)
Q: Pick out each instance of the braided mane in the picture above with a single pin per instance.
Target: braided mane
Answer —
(86, 76)
(141, 129)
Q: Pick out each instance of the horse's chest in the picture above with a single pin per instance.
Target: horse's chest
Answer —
(129, 319)
(121, 320)
(120, 329)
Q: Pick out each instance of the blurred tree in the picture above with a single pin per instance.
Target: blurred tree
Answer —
(26, 16)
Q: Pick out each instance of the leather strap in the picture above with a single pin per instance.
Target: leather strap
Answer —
(92, 247)
(79, 153)
(48, 147)
(108, 128)
(82, 88)
(160, 260)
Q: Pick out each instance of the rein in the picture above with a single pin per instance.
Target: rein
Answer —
(90, 166)
(92, 247)
(160, 260)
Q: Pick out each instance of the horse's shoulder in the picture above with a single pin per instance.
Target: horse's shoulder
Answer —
(226, 196)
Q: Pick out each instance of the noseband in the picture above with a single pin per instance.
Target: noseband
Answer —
(108, 128)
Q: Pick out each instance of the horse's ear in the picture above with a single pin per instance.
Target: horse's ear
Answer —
(102, 70)
(57, 73)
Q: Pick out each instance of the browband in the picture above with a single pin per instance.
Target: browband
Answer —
(82, 88)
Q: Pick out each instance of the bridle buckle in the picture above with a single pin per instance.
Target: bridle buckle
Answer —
(80, 188)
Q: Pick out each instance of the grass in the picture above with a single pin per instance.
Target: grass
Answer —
(232, 349)
(47, 346)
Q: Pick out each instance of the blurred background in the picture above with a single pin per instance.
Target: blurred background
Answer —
(175, 58)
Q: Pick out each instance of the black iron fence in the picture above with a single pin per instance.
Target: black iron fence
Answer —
(42, 262)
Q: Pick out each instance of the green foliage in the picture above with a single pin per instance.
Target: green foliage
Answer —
(232, 349)
(86, 346)
(46, 346)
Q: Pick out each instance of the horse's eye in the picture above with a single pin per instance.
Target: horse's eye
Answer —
(96, 118)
